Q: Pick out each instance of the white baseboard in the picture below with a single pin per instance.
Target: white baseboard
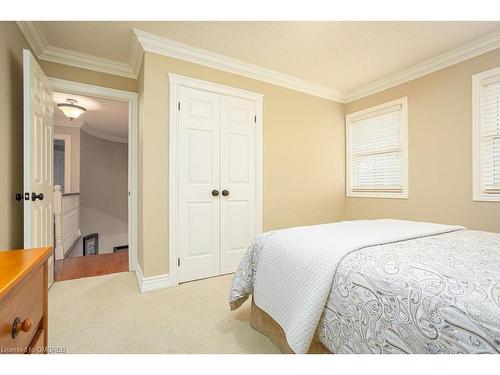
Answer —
(148, 284)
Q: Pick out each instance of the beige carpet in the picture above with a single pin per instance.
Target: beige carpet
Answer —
(108, 314)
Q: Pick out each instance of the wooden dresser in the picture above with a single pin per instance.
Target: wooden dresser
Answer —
(23, 300)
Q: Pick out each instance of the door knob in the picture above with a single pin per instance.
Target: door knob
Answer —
(20, 196)
(215, 193)
(225, 193)
(35, 196)
(19, 326)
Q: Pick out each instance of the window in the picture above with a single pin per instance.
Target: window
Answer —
(486, 135)
(377, 151)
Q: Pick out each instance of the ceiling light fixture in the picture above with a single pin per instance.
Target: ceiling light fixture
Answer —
(70, 109)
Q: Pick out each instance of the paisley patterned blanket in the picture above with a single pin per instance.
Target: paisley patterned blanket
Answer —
(438, 294)
(433, 294)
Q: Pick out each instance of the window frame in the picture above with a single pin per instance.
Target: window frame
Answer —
(478, 193)
(404, 151)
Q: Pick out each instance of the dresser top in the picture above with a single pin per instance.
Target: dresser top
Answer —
(16, 264)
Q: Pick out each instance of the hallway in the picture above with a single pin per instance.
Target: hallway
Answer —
(92, 265)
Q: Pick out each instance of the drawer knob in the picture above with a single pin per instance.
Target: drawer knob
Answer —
(19, 326)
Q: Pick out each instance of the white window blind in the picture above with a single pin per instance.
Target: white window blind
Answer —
(377, 152)
(486, 92)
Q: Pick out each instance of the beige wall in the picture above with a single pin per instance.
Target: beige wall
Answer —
(74, 133)
(89, 77)
(12, 43)
(303, 154)
(440, 151)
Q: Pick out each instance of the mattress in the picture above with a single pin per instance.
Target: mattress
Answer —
(421, 289)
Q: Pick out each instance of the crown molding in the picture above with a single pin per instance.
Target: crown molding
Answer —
(34, 36)
(171, 48)
(477, 47)
(44, 51)
(87, 129)
(96, 133)
(84, 61)
(136, 53)
(142, 41)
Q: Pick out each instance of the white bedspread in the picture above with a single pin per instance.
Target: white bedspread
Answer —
(296, 266)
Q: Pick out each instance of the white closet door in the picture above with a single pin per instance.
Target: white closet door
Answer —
(199, 168)
(238, 190)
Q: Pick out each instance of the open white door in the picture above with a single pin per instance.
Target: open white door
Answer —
(38, 158)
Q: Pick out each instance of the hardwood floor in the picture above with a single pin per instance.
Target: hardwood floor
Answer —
(91, 265)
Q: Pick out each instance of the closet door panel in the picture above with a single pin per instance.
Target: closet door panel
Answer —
(199, 174)
(238, 224)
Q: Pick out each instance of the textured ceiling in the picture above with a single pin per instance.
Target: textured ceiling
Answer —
(339, 55)
(103, 117)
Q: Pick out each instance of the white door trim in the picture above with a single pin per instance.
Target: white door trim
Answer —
(175, 83)
(133, 122)
(67, 159)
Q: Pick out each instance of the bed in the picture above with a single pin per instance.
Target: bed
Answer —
(374, 286)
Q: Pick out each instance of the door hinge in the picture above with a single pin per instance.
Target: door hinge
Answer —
(179, 106)
(255, 119)
(178, 262)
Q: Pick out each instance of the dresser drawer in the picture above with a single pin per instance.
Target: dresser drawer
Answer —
(25, 303)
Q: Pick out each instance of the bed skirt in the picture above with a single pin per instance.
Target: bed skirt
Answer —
(262, 322)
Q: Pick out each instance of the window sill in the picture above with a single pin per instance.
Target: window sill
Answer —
(486, 198)
(375, 194)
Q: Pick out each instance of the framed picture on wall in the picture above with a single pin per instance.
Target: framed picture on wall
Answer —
(91, 244)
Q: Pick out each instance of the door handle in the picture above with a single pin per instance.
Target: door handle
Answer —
(215, 193)
(225, 193)
(34, 196)
(21, 196)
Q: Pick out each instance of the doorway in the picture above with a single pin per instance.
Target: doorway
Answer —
(39, 204)
(90, 185)
(117, 253)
